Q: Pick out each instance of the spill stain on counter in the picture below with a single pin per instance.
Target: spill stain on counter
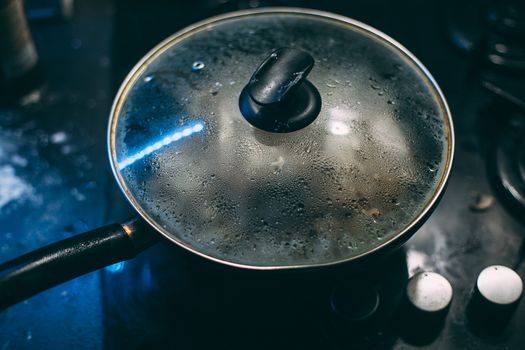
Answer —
(12, 187)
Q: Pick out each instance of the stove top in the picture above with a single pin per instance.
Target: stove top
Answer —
(55, 182)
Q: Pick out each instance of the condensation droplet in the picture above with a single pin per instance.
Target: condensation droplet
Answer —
(149, 78)
(278, 165)
(197, 66)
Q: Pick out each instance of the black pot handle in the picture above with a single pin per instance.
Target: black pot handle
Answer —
(59, 262)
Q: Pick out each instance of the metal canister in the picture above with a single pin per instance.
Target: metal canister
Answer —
(18, 55)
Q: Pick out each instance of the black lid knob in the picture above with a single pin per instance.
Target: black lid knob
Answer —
(278, 98)
(494, 299)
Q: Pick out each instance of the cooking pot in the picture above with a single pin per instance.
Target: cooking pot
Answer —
(268, 139)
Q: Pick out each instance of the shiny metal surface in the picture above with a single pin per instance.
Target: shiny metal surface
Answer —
(17, 51)
(361, 176)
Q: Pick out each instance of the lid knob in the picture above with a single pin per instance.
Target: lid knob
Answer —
(278, 98)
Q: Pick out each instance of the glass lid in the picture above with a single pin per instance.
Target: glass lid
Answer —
(366, 166)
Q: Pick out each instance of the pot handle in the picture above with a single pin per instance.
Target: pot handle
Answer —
(59, 262)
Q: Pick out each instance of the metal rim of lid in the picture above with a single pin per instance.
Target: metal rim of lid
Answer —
(499, 285)
(433, 284)
(341, 20)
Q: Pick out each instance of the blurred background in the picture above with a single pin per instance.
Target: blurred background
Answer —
(61, 67)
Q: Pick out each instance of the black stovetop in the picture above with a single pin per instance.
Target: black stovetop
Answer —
(55, 181)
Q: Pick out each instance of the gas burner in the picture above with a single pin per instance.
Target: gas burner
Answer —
(492, 32)
(508, 163)
(505, 44)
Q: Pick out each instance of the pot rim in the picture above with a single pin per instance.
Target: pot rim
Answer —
(398, 238)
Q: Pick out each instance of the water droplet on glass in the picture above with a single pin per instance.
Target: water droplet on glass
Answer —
(197, 66)
(390, 102)
(148, 78)
(278, 165)
(375, 87)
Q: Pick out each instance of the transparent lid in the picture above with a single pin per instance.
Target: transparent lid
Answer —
(363, 172)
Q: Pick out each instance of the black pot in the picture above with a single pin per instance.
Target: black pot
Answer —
(335, 151)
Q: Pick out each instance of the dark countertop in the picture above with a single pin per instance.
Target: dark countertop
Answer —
(55, 175)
